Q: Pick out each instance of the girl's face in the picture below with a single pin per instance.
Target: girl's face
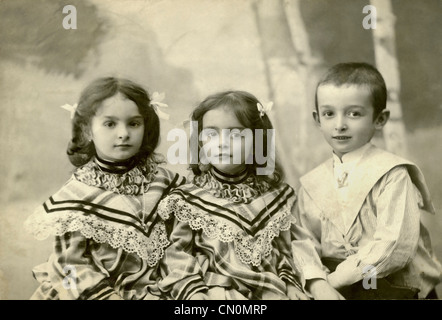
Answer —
(346, 117)
(117, 129)
(225, 145)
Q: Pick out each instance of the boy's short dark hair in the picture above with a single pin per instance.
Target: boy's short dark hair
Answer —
(357, 73)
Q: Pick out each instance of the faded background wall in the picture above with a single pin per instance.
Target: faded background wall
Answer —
(189, 49)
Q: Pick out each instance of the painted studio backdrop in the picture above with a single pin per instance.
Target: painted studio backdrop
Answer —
(189, 49)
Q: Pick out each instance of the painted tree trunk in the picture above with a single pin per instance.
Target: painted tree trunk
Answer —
(386, 62)
(286, 54)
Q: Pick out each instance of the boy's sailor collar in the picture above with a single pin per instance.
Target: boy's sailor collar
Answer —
(342, 168)
(352, 156)
(324, 193)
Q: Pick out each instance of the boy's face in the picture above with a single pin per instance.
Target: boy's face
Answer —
(345, 117)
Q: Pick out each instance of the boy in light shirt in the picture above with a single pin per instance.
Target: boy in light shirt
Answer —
(363, 206)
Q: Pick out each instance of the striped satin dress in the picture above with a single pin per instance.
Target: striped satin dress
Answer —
(228, 249)
(108, 238)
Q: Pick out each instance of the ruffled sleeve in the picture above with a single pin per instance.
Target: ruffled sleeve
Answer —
(72, 273)
(182, 275)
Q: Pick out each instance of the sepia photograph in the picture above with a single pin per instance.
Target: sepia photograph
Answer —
(220, 150)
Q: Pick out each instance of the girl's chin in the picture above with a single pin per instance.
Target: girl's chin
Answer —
(229, 169)
(115, 159)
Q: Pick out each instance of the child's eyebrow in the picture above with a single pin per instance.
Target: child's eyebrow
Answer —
(137, 117)
(228, 128)
(356, 106)
(327, 106)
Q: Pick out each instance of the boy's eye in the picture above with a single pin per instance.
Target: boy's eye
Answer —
(327, 114)
(354, 114)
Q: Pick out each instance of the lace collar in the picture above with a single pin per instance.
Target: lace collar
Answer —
(249, 249)
(240, 188)
(135, 181)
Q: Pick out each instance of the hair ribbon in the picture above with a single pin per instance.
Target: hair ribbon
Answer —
(264, 109)
(156, 104)
(70, 108)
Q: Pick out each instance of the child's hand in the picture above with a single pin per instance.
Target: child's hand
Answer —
(322, 290)
(295, 293)
(199, 296)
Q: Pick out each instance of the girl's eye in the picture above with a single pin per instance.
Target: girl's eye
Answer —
(327, 114)
(235, 133)
(136, 124)
(109, 124)
(211, 133)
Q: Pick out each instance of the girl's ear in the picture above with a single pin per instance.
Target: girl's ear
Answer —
(87, 133)
(381, 119)
(316, 118)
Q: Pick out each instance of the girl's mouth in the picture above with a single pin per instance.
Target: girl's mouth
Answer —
(224, 155)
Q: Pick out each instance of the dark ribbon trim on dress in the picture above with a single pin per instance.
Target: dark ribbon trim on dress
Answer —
(268, 211)
(230, 178)
(116, 167)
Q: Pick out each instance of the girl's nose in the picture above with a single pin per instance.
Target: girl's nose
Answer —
(123, 133)
(224, 138)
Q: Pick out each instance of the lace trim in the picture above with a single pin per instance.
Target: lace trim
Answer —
(250, 250)
(243, 192)
(134, 182)
(150, 249)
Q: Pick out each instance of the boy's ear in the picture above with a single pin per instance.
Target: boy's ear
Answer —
(316, 118)
(382, 119)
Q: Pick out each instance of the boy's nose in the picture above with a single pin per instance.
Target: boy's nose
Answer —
(340, 125)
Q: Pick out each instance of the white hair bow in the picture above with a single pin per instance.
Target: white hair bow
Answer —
(264, 109)
(70, 108)
(156, 104)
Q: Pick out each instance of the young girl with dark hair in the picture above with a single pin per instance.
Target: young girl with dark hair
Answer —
(108, 237)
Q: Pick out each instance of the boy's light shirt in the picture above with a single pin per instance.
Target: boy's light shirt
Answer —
(342, 171)
(386, 234)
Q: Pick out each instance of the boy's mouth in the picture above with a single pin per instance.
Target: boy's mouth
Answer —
(341, 138)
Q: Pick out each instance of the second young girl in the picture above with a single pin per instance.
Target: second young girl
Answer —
(108, 238)
(232, 226)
